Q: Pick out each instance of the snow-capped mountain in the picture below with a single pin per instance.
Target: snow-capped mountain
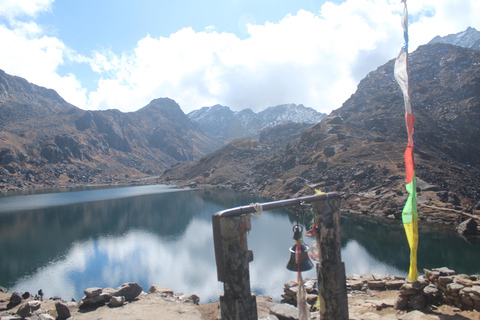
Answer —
(220, 122)
(469, 38)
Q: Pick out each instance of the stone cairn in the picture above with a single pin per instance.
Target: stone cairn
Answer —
(441, 286)
(112, 297)
(435, 287)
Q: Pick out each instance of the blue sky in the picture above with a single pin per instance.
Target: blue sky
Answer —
(240, 53)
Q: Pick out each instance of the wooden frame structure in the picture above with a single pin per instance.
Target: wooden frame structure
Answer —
(232, 256)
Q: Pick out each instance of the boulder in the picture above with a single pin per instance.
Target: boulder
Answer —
(407, 289)
(401, 302)
(93, 301)
(62, 310)
(444, 271)
(24, 311)
(129, 290)
(15, 298)
(34, 305)
(92, 292)
(467, 227)
(116, 301)
(193, 299)
(417, 301)
(285, 311)
(160, 289)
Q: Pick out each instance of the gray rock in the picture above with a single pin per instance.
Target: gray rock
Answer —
(129, 290)
(93, 301)
(467, 227)
(463, 281)
(417, 315)
(417, 301)
(116, 301)
(454, 287)
(377, 284)
(444, 271)
(160, 289)
(407, 289)
(444, 280)
(92, 292)
(34, 305)
(15, 298)
(62, 310)
(401, 302)
(24, 311)
(193, 299)
(285, 311)
(355, 285)
(394, 284)
(431, 292)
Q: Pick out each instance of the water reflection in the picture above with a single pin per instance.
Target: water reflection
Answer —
(166, 239)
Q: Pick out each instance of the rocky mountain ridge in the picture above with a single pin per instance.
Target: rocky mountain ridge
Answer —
(470, 38)
(45, 141)
(220, 122)
(358, 149)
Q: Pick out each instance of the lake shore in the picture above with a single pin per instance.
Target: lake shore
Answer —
(430, 212)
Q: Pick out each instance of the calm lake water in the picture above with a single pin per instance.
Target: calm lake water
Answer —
(64, 242)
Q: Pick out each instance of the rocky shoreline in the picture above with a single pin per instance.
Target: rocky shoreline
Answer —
(437, 292)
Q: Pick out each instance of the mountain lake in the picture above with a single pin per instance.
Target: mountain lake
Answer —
(66, 240)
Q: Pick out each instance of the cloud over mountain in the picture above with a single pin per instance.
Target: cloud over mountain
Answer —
(313, 58)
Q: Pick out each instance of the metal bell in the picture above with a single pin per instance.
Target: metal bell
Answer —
(303, 259)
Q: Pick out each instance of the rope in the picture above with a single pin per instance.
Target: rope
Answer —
(258, 209)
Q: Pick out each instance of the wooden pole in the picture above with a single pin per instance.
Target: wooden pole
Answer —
(331, 271)
(233, 257)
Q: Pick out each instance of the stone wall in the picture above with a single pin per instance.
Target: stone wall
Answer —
(434, 287)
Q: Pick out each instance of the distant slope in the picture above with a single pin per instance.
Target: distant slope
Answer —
(44, 141)
(221, 123)
(358, 149)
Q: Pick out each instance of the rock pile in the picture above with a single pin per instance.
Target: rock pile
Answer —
(435, 287)
(441, 286)
(113, 297)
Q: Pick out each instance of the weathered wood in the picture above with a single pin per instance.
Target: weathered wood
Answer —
(232, 256)
(331, 269)
(237, 302)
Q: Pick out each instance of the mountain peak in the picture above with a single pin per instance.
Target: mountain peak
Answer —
(470, 38)
(221, 122)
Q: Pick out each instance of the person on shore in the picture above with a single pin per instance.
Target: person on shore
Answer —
(40, 293)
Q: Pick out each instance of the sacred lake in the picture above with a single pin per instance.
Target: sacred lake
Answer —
(64, 241)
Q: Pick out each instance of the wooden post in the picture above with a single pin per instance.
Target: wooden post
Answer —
(232, 257)
(331, 271)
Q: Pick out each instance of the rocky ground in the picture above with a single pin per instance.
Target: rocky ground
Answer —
(369, 297)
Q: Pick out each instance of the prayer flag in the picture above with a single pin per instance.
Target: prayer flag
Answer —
(410, 213)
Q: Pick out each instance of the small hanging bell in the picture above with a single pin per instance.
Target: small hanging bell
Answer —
(303, 263)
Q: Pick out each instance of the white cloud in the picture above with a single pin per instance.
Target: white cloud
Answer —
(29, 53)
(312, 58)
(305, 58)
(12, 9)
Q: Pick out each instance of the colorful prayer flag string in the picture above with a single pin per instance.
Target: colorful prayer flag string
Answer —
(410, 213)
